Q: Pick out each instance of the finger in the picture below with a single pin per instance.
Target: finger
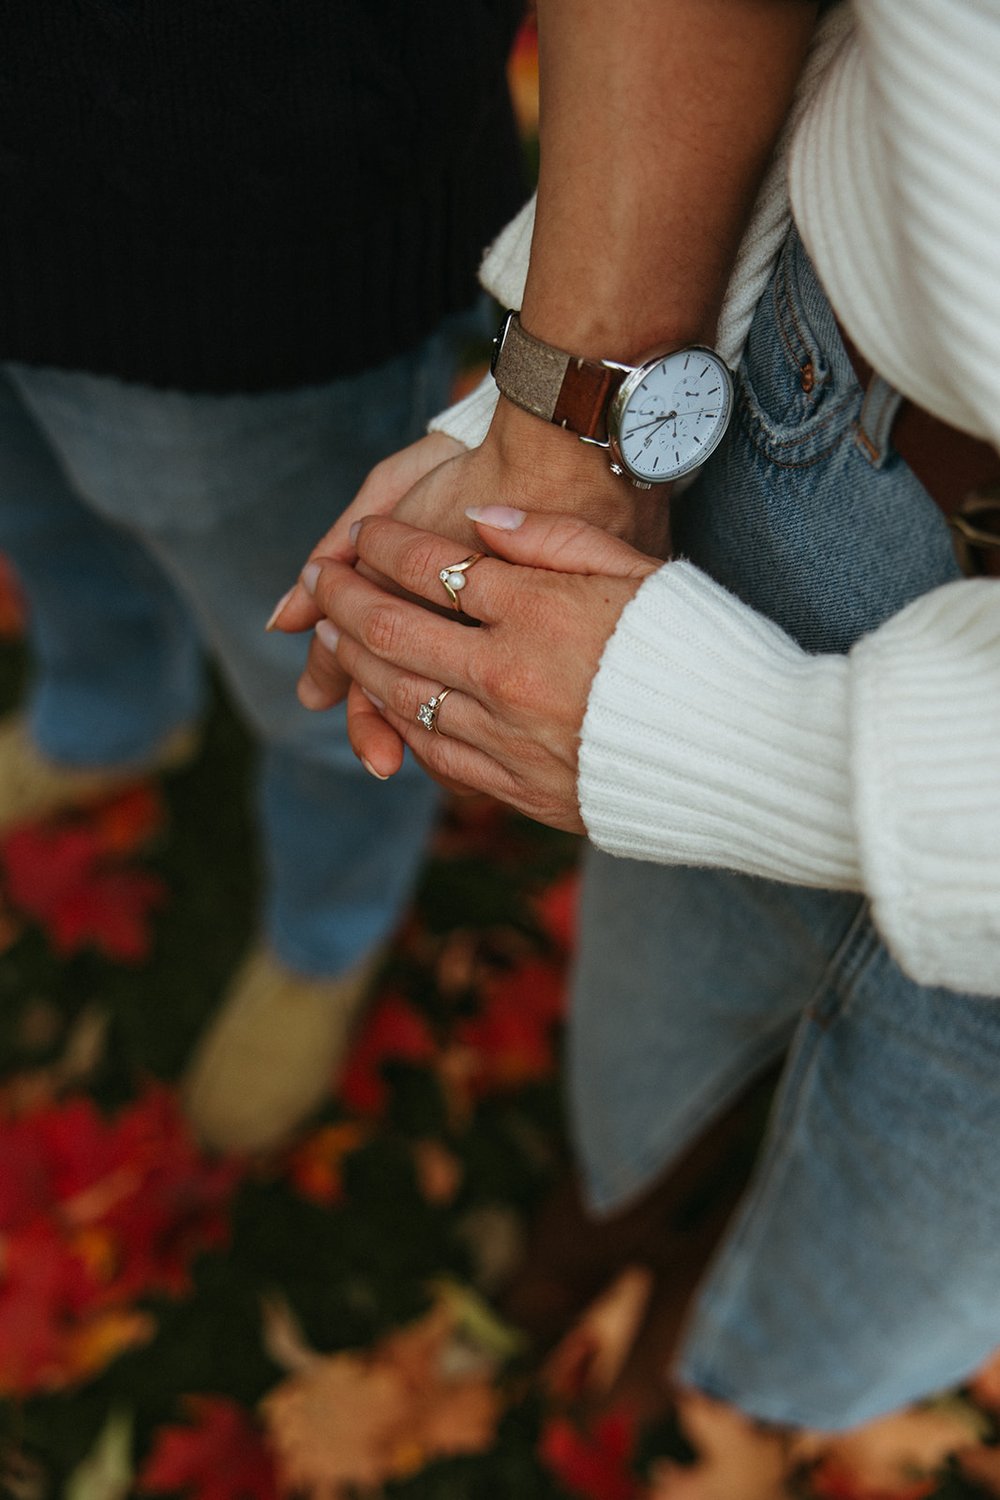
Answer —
(376, 744)
(323, 682)
(452, 761)
(380, 493)
(396, 630)
(400, 695)
(414, 560)
(559, 542)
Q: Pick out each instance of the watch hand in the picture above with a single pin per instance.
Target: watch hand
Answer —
(652, 423)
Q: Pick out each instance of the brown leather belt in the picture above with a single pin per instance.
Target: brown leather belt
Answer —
(959, 472)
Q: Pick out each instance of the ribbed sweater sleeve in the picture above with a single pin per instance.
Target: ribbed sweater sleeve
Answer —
(710, 738)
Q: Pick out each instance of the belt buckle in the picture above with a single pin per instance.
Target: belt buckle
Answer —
(976, 532)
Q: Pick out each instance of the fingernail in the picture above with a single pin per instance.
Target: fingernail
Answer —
(279, 607)
(372, 699)
(328, 634)
(503, 517)
(372, 771)
(353, 533)
(310, 577)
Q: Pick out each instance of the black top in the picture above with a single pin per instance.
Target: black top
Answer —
(228, 195)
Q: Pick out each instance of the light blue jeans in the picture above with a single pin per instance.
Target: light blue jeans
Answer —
(147, 525)
(863, 1268)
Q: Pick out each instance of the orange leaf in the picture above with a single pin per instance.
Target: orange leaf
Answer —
(895, 1455)
(737, 1459)
(591, 1356)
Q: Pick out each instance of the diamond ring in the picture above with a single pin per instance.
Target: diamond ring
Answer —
(427, 712)
(453, 577)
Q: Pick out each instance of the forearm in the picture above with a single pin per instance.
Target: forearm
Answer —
(658, 118)
(657, 121)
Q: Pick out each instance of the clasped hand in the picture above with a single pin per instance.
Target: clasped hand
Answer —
(545, 604)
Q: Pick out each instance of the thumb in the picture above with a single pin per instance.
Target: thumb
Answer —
(560, 542)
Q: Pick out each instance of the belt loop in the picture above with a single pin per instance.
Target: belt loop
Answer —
(874, 425)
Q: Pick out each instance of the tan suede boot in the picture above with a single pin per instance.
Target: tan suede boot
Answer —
(31, 786)
(270, 1056)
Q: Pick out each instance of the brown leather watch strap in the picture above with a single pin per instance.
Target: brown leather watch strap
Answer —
(556, 386)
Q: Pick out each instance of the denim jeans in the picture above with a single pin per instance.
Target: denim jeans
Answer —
(863, 1267)
(146, 525)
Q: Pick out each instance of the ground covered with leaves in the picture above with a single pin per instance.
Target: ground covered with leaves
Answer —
(325, 1321)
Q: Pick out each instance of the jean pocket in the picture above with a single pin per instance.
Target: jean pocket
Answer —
(798, 395)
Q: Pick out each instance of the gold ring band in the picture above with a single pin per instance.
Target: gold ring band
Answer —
(453, 577)
(427, 712)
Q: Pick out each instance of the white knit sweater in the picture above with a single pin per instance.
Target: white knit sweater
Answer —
(710, 738)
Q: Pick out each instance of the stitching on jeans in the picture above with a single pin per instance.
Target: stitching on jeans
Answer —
(836, 985)
(765, 441)
(864, 442)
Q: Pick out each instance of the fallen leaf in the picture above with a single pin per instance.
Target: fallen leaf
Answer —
(220, 1455)
(392, 1032)
(350, 1420)
(106, 1473)
(283, 1336)
(439, 1171)
(896, 1455)
(592, 1462)
(982, 1466)
(316, 1165)
(336, 1424)
(591, 1356)
(737, 1458)
(984, 1386)
(495, 1236)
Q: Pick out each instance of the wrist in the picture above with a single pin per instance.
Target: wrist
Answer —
(542, 467)
(548, 458)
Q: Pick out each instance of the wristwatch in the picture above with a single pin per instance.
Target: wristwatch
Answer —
(658, 420)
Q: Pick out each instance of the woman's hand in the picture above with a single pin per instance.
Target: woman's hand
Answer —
(519, 680)
(523, 463)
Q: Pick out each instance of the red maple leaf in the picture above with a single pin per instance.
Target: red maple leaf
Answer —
(393, 1032)
(219, 1456)
(62, 877)
(594, 1464)
(45, 1286)
(557, 908)
(94, 1212)
(129, 820)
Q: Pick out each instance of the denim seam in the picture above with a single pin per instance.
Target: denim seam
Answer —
(782, 1135)
(765, 441)
(610, 1193)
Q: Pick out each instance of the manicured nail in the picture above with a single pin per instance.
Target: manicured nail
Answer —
(279, 607)
(372, 771)
(328, 634)
(353, 533)
(372, 699)
(503, 517)
(310, 577)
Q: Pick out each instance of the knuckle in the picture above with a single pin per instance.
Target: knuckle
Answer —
(418, 561)
(382, 629)
(400, 698)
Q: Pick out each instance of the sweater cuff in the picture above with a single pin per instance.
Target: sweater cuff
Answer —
(469, 419)
(925, 759)
(711, 738)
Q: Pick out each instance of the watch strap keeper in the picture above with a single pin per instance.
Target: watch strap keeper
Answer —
(562, 388)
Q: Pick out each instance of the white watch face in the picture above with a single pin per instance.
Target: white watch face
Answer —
(669, 415)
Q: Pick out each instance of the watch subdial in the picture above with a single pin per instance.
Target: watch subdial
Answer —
(699, 402)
